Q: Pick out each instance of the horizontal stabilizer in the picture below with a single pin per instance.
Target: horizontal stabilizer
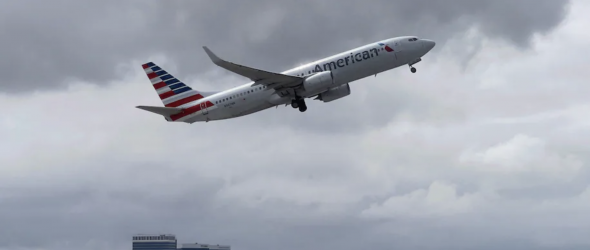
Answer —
(256, 75)
(165, 111)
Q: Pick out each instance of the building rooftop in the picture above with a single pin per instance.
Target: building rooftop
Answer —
(154, 237)
(206, 246)
(163, 241)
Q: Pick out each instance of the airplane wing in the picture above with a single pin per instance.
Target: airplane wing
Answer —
(271, 79)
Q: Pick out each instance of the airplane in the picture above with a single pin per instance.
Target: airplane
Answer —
(325, 79)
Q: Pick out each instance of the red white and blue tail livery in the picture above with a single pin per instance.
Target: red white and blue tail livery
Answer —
(326, 79)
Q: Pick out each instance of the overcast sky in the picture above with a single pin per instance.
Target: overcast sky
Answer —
(485, 147)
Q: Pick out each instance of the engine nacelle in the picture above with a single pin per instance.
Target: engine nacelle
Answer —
(318, 83)
(335, 93)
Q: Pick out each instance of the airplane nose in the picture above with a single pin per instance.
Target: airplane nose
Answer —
(428, 44)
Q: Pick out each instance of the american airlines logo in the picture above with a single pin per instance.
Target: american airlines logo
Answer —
(351, 59)
(387, 48)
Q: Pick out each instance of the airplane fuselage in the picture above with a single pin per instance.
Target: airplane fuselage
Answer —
(344, 68)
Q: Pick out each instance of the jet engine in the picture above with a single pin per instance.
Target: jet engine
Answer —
(318, 83)
(335, 93)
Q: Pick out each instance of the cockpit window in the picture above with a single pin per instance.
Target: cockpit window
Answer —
(413, 39)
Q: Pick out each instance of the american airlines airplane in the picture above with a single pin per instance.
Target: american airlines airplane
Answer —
(326, 79)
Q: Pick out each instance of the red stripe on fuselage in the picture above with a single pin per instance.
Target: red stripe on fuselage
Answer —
(159, 85)
(191, 110)
(184, 100)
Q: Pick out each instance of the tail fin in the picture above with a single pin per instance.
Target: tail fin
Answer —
(172, 91)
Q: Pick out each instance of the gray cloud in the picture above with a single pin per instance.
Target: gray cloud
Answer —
(45, 45)
(492, 156)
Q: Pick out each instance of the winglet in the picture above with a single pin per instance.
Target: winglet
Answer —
(212, 56)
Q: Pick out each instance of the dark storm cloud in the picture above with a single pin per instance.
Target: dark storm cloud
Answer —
(280, 179)
(44, 44)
